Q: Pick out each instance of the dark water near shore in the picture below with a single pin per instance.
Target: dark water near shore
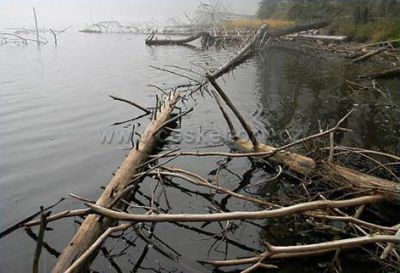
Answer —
(54, 110)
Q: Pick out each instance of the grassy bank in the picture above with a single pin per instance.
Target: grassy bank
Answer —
(372, 31)
(360, 20)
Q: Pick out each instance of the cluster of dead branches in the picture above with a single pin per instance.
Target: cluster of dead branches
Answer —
(325, 194)
(25, 36)
(114, 26)
(385, 51)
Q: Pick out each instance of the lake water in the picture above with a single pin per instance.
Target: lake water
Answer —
(55, 111)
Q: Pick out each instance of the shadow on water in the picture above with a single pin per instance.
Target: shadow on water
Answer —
(300, 95)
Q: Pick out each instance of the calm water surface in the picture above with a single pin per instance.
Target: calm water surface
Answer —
(55, 106)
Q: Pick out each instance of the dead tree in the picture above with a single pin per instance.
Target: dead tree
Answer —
(93, 226)
(262, 34)
(36, 26)
(204, 36)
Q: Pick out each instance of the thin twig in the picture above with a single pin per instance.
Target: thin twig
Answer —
(131, 103)
(55, 36)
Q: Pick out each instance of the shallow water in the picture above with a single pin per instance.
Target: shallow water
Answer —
(55, 110)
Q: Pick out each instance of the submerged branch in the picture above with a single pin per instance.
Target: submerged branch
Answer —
(131, 103)
(237, 215)
(274, 252)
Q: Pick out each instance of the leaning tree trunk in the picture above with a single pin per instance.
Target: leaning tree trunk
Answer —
(93, 226)
(260, 38)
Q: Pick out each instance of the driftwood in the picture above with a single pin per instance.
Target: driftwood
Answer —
(205, 37)
(299, 28)
(208, 39)
(105, 213)
(333, 38)
(237, 215)
(93, 227)
(89, 31)
(259, 40)
(279, 252)
(382, 43)
(307, 166)
(328, 171)
(368, 55)
(245, 53)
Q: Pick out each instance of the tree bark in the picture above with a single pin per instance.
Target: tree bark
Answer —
(306, 166)
(94, 226)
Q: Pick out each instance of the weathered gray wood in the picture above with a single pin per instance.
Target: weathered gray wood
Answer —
(334, 38)
(93, 226)
(259, 38)
(368, 55)
(328, 171)
(151, 41)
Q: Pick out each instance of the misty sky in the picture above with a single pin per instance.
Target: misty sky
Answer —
(61, 13)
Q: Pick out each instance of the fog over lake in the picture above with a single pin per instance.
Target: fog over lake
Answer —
(59, 13)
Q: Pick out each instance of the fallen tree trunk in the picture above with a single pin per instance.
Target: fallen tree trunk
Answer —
(245, 53)
(261, 38)
(151, 41)
(333, 38)
(299, 28)
(382, 43)
(262, 34)
(307, 166)
(93, 226)
(368, 55)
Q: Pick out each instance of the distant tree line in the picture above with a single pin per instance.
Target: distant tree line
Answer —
(361, 11)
